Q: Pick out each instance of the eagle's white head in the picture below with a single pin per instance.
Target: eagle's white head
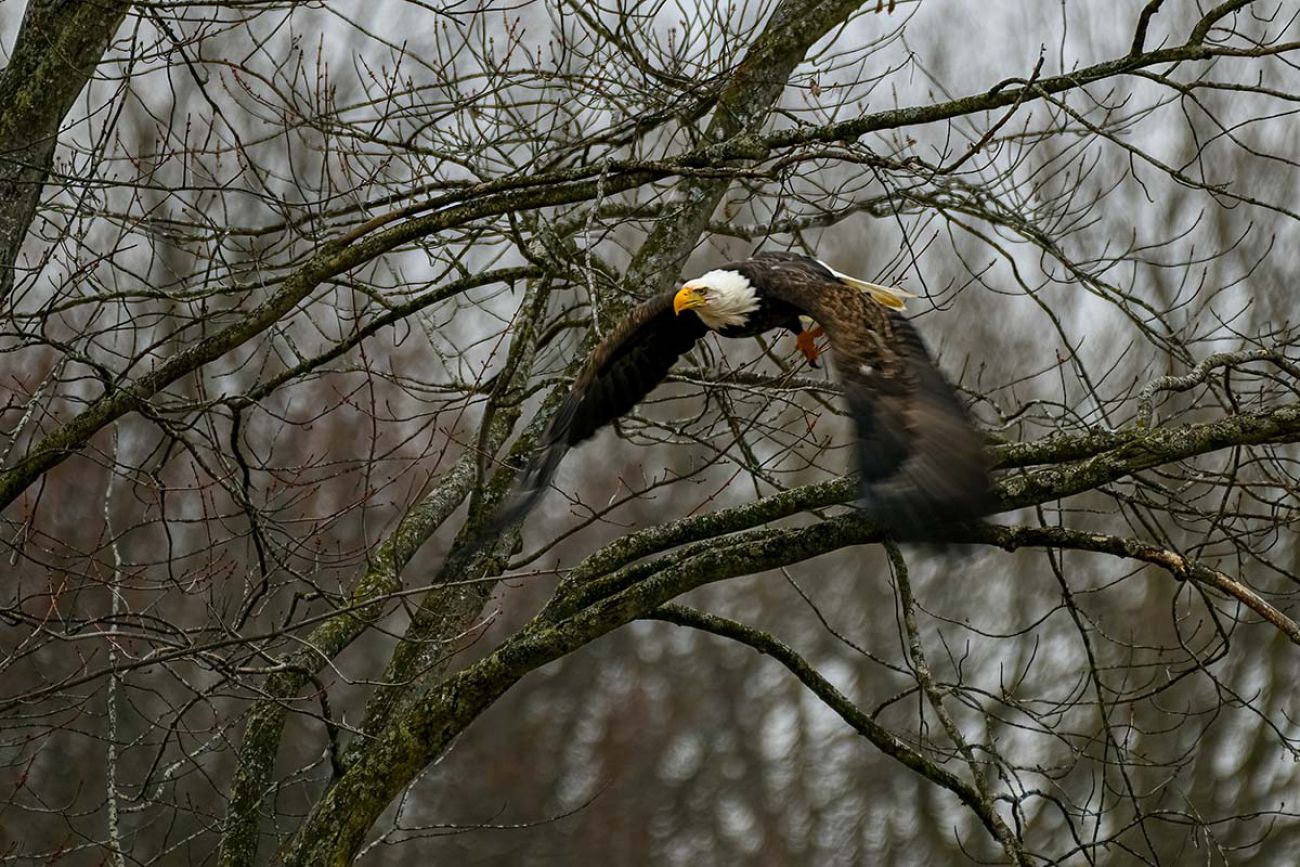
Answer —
(720, 298)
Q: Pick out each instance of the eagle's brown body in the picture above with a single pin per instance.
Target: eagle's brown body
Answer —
(922, 464)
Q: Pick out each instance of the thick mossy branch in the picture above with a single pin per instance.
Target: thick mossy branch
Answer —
(741, 110)
(1142, 450)
(581, 614)
(251, 783)
(55, 55)
(253, 776)
(619, 565)
(426, 726)
(452, 607)
(1074, 464)
(742, 107)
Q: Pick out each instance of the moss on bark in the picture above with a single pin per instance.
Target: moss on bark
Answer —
(55, 55)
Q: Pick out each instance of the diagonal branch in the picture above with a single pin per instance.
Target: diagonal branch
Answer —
(879, 736)
(1146, 398)
(580, 615)
(742, 107)
(1178, 565)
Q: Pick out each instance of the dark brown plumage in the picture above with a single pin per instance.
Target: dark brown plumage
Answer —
(921, 463)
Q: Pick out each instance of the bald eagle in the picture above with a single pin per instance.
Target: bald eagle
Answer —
(921, 463)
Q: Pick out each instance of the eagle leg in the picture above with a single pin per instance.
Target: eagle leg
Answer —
(807, 341)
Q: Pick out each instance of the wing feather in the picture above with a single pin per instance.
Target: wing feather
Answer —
(623, 368)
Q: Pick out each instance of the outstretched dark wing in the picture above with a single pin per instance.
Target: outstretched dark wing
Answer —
(814, 268)
(625, 367)
(921, 461)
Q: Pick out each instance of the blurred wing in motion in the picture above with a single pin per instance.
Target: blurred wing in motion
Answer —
(921, 461)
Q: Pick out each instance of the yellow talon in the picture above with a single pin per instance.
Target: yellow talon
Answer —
(807, 341)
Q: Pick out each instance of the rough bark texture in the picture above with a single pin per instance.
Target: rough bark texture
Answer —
(591, 605)
(742, 108)
(266, 723)
(58, 48)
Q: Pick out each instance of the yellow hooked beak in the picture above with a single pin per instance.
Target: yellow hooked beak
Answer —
(688, 298)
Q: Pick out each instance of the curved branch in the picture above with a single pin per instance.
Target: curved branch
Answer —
(879, 736)
(743, 105)
(582, 613)
(1178, 565)
(1146, 398)
(1075, 464)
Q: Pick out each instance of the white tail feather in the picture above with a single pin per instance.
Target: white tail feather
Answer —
(888, 296)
